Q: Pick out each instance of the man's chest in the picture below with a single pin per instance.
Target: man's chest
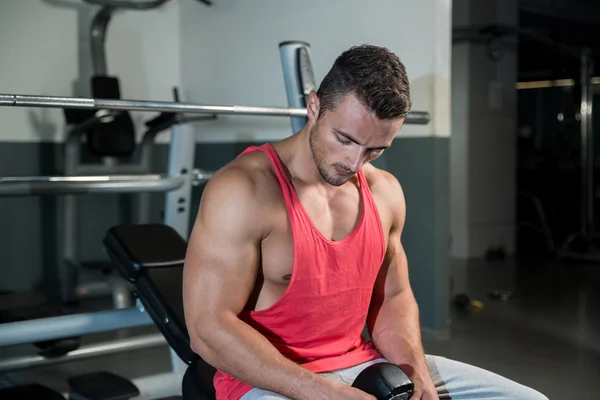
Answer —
(329, 221)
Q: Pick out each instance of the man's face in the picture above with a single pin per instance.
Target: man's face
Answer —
(348, 137)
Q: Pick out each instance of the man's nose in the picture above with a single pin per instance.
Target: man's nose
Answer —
(356, 160)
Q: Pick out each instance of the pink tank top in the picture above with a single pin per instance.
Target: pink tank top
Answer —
(318, 322)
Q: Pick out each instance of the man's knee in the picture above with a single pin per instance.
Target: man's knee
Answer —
(507, 389)
(532, 394)
(460, 380)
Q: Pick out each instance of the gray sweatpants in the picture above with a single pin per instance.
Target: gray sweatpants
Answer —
(453, 380)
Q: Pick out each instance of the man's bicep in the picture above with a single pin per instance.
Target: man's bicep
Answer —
(393, 277)
(223, 250)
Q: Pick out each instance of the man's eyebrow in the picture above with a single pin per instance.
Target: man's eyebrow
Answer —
(346, 135)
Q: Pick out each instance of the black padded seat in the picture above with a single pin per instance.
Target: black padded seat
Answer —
(33, 391)
(151, 257)
(136, 247)
(102, 385)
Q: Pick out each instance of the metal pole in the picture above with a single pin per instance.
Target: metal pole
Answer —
(37, 330)
(165, 385)
(298, 76)
(143, 207)
(181, 164)
(69, 227)
(84, 352)
(132, 5)
(587, 147)
(182, 150)
(140, 105)
(15, 100)
(55, 185)
(98, 36)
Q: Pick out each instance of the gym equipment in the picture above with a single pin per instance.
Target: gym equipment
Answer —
(102, 385)
(31, 391)
(151, 257)
(94, 184)
(25, 306)
(138, 5)
(109, 138)
(580, 245)
(84, 352)
(298, 76)
(465, 304)
(177, 185)
(385, 381)
(181, 159)
(17, 100)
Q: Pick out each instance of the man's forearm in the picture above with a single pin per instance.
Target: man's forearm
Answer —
(237, 349)
(396, 331)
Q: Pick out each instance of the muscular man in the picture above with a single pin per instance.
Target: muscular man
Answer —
(296, 248)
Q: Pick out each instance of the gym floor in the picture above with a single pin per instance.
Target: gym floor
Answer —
(546, 336)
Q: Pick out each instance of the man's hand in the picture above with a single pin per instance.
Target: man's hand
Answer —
(424, 386)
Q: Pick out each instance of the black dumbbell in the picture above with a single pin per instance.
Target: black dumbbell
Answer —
(385, 381)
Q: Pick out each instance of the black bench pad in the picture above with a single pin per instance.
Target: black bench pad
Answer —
(136, 247)
(102, 386)
(33, 391)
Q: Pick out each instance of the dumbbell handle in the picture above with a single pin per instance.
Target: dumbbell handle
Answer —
(385, 381)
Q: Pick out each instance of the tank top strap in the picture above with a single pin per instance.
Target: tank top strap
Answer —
(284, 182)
(373, 219)
(365, 190)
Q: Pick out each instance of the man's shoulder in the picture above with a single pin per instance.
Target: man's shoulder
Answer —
(381, 181)
(385, 187)
(249, 176)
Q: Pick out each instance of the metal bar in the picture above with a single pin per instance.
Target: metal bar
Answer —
(37, 330)
(200, 177)
(146, 152)
(54, 185)
(15, 100)
(587, 147)
(165, 385)
(298, 76)
(99, 169)
(134, 5)
(181, 162)
(93, 290)
(85, 352)
(182, 150)
(68, 227)
(121, 292)
(417, 118)
(98, 36)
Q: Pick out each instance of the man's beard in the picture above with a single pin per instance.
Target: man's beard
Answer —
(321, 163)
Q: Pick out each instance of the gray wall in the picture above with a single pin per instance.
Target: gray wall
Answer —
(421, 166)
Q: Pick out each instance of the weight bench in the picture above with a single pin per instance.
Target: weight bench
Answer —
(151, 257)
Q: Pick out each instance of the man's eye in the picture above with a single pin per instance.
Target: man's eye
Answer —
(345, 142)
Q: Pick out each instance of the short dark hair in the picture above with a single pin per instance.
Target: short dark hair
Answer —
(375, 75)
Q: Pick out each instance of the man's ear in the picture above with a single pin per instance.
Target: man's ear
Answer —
(313, 106)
